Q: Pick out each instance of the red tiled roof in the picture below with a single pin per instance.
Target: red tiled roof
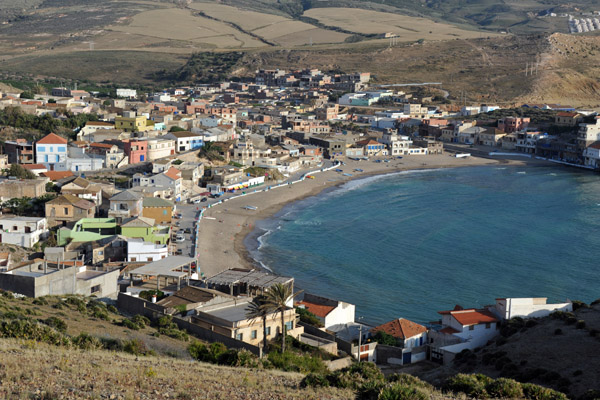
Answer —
(34, 166)
(56, 175)
(317, 309)
(471, 316)
(102, 145)
(400, 328)
(52, 138)
(566, 114)
(595, 145)
(173, 173)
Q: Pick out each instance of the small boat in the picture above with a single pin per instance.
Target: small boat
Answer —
(358, 170)
(251, 208)
(310, 177)
(339, 170)
(346, 174)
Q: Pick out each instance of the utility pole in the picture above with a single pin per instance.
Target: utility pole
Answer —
(526, 68)
(359, 339)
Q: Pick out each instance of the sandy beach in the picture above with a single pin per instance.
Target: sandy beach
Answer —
(221, 240)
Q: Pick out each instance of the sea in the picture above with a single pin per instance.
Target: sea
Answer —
(412, 243)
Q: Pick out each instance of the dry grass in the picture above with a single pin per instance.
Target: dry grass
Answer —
(248, 20)
(406, 27)
(180, 24)
(314, 36)
(34, 370)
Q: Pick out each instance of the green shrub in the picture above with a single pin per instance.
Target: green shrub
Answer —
(409, 380)
(147, 295)
(111, 344)
(471, 385)
(112, 309)
(314, 380)
(135, 347)
(290, 361)
(217, 353)
(355, 375)
(580, 324)
(141, 321)
(384, 338)
(571, 320)
(402, 392)
(558, 331)
(86, 342)
(40, 301)
(308, 317)
(537, 392)
(30, 330)
(577, 304)
(504, 388)
(56, 323)
(130, 324)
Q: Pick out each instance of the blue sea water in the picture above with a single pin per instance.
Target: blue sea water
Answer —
(413, 243)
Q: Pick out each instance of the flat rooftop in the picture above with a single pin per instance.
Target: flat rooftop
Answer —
(167, 267)
(251, 278)
(232, 313)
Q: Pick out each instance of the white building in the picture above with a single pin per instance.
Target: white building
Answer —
(527, 307)
(140, 251)
(591, 155)
(128, 93)
(411, 338)
(396, 144)
(462, 329)
(588, 133)
(159, 148)
(50, 151)
(329, 312)
(22, 231)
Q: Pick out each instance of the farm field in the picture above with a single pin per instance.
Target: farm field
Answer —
(180, 24)
(248, 20)
(407, 28)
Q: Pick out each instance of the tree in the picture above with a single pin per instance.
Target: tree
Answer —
(176, 128)
(19, 172)
(277, 297)
(258, 308)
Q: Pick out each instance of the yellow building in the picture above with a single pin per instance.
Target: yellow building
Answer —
(134, 124)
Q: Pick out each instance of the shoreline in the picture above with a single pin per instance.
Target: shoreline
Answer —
(234, 225)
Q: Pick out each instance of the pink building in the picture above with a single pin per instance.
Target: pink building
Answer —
(136, 150)
(513, 124)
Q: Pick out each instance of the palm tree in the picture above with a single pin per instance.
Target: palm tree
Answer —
(277, 297)
(257, 308)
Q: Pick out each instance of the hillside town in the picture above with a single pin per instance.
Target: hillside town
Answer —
(112, 208)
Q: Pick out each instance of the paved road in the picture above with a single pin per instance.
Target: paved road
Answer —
(189, 214)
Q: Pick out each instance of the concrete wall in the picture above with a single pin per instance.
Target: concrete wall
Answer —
(529, 307)
(18, 284)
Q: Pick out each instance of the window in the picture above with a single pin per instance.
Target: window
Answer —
(101, 253)
(62, 149)
(472, 327)
(253, 334)
(150, 258)
(487, 325)
(239, 336)
(95, 289)
(122, 206)
(14, 228)
(164, 212)
(289, 326)
(66, 210)
(268, 331)
(41, 148)
(133, 259)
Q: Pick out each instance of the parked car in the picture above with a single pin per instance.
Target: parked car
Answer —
(179, 252)
(178, 223)
(204, 199)
(180, 238)
(187, 230)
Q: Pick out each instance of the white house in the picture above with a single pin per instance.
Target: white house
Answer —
(411, 338)
(22, 231)
(128, 93)
(329, 312)
(462, 329)
(159, 148)
(396, 144)
(51, 150)
(591, 155)
(138, 250)
(527, 307)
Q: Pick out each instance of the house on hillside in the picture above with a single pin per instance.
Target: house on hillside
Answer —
(138, 250)
(527, 307)
(461, 329)
(410, 337)
(161, 210)
(125, 204)
(83, 189)
(51, 150)
(67, 209)
(22, 231)
(329, 312)
(145, 229)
